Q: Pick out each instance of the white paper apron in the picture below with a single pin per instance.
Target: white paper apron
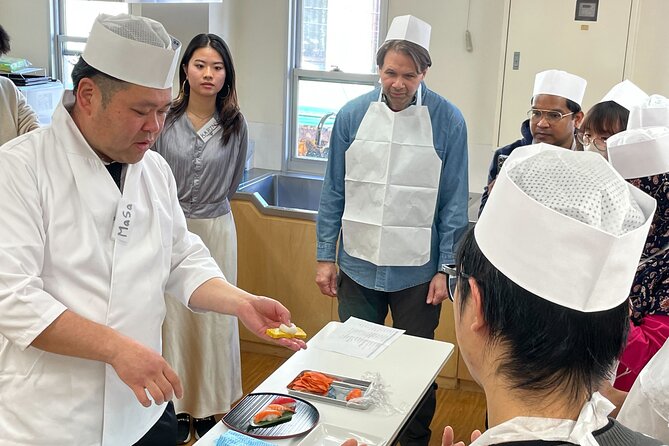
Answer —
(593, 416)
(391, 186)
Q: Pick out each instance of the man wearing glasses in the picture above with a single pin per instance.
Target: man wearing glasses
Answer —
(553, 119)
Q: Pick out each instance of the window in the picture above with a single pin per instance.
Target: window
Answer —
(75, 19)
(335, 43)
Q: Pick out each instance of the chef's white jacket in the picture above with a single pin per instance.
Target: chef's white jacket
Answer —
(71, 240)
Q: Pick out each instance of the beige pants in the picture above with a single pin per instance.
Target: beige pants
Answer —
(204, 348)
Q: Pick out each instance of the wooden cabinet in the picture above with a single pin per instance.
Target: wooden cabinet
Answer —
(446, 332)
(277, 258)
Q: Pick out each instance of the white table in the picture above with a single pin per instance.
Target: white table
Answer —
(408, 367)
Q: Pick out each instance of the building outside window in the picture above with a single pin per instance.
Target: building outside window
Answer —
(335, 43)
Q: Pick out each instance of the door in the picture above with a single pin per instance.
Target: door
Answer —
(543, 35)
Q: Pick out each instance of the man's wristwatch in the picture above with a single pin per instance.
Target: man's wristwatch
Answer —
(446, 269)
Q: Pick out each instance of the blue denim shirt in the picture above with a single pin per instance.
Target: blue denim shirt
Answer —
(450, 220)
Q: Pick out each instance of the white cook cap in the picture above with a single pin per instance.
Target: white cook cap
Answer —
(626, 94)
(639, 153)
(560, 83)
(133, 49)
(565, 226)
(410, 28)
(653, 112)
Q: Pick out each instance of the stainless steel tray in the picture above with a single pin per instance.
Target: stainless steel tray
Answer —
(339, 388)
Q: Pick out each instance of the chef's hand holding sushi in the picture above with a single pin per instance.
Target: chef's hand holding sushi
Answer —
(93, 240)
(261, 315)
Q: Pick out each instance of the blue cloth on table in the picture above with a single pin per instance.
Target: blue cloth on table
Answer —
(232, 438)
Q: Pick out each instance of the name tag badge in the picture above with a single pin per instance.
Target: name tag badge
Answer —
(209, 130)
(123, 223)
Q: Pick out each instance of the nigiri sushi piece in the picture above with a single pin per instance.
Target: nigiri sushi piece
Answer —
(285, 401)
(280, 408)
(292, 329)
(270, 417)
(285, 331)
(266, 414)
(354, 393)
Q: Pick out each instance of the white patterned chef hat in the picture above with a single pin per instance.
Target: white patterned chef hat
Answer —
(560, 83)
(133, 49)
(654, 112)
(565, 226)
(640, 153)
(626, 94)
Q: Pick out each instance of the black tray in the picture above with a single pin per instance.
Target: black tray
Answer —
(239, 418)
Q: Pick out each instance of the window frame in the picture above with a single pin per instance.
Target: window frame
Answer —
(291, 161)
(60, 39)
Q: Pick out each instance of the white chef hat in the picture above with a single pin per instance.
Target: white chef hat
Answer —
(626, 94)
(651, 113)
(560, 83)
(410, 28)
(640, 153)
(133, 49)
(565, 226)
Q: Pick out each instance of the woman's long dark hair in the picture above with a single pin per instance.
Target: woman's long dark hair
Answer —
(228, 115)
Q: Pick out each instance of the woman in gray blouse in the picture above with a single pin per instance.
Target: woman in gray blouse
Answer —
(205, 141)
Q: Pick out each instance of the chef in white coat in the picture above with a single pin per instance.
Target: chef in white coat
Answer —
(93, 236)
(540, 296)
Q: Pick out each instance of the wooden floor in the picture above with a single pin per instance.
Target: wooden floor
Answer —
(462, 409)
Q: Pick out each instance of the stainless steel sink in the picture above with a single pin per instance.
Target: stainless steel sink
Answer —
(290, 195)
(297, 195)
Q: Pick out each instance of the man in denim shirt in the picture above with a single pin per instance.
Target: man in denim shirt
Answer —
(412, 285)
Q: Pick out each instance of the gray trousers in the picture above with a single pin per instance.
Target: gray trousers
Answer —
(410, 313)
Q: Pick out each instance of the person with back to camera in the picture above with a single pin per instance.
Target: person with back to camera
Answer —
(16, 116)
(554, 118)
(396, 188)
(541, 333)
(204, 142)
(94, 238)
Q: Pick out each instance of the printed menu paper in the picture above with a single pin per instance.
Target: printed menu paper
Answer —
(360, 338)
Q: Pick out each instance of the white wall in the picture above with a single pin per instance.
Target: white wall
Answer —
(28, 25)
(650, 59)
(261, 59)
(183, 21)
(257, 33)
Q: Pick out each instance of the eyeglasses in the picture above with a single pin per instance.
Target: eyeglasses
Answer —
(587, 139)
(551, 116)
(453, 278)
